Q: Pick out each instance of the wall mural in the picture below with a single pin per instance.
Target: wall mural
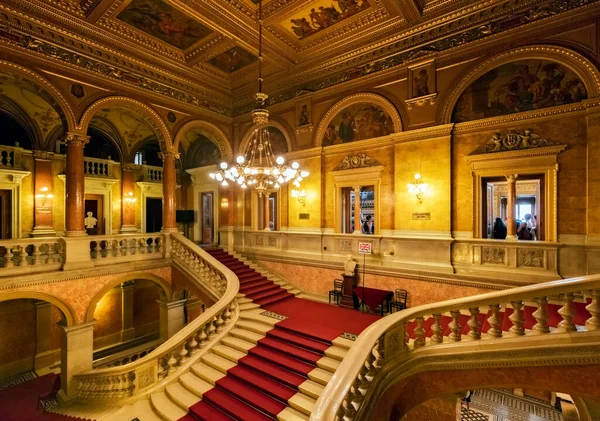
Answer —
(358, 122)
(278, 142)
(322, 14)
(162, 21)
(203, 152)
(233, 59)
(519, 86)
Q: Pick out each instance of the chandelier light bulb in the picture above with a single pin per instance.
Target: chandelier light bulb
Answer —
(224, 183)
(304, 174)
(223, 165)
(240, 159)
(295, 165)
(280, 160)
(417, 176)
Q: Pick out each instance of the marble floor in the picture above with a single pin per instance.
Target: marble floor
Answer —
(503, 405)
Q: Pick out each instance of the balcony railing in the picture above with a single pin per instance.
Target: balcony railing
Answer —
(30, 255)
(10, 157)
(93, 167)
(152, 174)
(388, 344)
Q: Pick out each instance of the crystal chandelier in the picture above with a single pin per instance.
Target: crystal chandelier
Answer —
(257, 167)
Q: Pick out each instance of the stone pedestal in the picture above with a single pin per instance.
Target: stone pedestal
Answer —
(77, 350)
(172, 317)
(350, 282)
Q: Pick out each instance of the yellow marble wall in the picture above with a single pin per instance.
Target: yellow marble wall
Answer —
(431, 159)
(27, 196)
(312, 187)
(117, 202)
(593, 175)
(58, 188)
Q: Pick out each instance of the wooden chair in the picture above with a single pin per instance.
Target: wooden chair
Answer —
(400, 302)
(336, 292)
(49, 395)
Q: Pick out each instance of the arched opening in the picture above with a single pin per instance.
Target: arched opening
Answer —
(101, 146)
(126, 316)
(147, 153)
(14, 134)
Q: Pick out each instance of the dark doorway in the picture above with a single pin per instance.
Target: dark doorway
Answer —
(94, 204)
(153, 214)
(5, 214)
(207, 217)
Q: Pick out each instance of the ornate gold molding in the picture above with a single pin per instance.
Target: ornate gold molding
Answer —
(216, 135)
(168, 155)
(513, 141)
(361, 160)
(76, 139)
(420, 101)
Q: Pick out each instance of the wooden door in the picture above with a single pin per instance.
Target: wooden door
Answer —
(5, 214)
(207, 217)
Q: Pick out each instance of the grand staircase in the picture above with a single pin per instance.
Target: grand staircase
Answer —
(260, 371)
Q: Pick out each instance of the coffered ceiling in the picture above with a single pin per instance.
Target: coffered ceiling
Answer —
(204, 51)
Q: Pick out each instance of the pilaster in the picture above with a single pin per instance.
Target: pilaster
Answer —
(77, 349)
(172, 317)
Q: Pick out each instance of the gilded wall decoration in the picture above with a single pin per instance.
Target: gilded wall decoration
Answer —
(530, 258)
(162, 21)
(360, 160)
(519, 86)
(322, 14)
(303, 113)
(233, 59)
(357, 122)
(422, 79)
(493, 255)
(146, 377)
(278, 143)
(512, 141)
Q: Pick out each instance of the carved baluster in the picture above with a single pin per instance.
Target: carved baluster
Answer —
(172, 362)
(517, 319)
(362, 375)
(380, 353)
(419, 333)
(495, 330)
(8, 262)
(203, 337)
(211, 328)
(593, 323)
(438, 335)
(227, 314)
(567, 312)
(97, 250)
(124, 247)
(193, 344)
(349, 410)
(541, 316)
(219, 322)
(183, 354)
(474, 324)
(370, 364)
(341, 412)
(35, 254)
(355, 392)
(455, 327)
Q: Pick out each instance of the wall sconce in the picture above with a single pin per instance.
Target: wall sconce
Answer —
(417, 187)
(130, 198)
(44, 195)
(300, 195)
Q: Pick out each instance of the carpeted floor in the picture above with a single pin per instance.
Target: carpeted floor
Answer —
(320, 320)
(19, 402)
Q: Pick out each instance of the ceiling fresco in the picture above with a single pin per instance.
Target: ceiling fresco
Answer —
(160, 20)
(322, 14)
(233, 59)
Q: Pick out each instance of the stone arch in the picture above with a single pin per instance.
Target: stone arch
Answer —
(368, 97)
(285, 130)
(586, 71)
(14, 111)
(214, 133)
(65, 308)
(165, 289)
(53, 91)
(146, 113)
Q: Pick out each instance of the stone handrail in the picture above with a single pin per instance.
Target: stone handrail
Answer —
(152, 173)
(344, 395)
(172, 357)
(105, 249)
(98, 167)
(28, 255)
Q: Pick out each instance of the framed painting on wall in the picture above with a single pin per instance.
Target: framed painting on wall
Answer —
(421, 79)
(303, 113)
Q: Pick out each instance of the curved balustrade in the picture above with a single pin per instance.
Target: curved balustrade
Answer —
(171, 357)
(36, 254)
(345, 394)
(106, 248)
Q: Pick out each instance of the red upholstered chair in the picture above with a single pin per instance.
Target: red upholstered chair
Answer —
(49, 395)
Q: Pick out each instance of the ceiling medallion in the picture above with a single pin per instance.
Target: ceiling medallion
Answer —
(256, 167)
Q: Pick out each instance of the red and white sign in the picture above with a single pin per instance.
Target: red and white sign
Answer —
(364, 248)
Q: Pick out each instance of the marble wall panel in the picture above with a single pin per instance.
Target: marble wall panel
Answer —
(17, 324)
(145, 306)
(108, 314)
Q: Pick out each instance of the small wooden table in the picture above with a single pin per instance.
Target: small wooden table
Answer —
(374, 297)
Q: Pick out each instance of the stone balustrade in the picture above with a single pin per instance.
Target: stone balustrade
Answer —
(388, 341)
(93, 167)
(152, 173)
(106, 249)
(127, 356)
(28, 255)
(175, 355)
(10, 157)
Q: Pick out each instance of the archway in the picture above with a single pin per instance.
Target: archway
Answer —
(277, 130)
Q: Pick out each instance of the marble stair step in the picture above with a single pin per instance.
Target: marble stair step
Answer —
(291, 414)
(208, 373)
(218, 362)
(183, 397)
(311, 388)
(249, 306)
(342, 343)
(256, 316)
(320, 376)
(328, 364)
(302, 403)
(336, 353)
(237, 343)
(257, 327)
(246, 335)
(231, 354)
(165, 407)
(195, 384)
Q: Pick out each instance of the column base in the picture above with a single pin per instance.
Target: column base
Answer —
(43, 232)
(512, 238)
(267, 229)
(128, 229)
(81, 233)
(169, 230)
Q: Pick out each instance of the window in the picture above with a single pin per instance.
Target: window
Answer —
(139, 159)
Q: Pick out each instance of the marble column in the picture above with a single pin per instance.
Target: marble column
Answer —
(267, 212)
(511, 203)
(169, 187)
(77, 349)
(127, 329)
(75, 210)
(357, 210)
(43, 226)
(43, 319)
(172, 317)
(128, 199)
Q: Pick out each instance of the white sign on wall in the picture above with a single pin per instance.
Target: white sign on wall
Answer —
(364, 248)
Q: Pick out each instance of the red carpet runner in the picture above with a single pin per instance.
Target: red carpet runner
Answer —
(258, 388)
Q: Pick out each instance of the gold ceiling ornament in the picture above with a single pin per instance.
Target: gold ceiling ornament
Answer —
(256, 167)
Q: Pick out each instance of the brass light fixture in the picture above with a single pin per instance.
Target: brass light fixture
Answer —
(44, 195)
(417, 187)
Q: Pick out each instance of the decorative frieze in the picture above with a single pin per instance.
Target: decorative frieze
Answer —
(493, 255)
(530, 258)
(360, 160)
(513, 141)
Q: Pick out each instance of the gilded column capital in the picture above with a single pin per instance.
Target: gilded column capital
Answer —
(511, 178)
(168, 155)
(76, 139)
(46, 155)
(129, 166)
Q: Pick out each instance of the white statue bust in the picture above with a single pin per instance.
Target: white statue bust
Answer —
(349, 266)
(90, 221)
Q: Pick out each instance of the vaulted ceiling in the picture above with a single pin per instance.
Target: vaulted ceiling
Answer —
(204, 51)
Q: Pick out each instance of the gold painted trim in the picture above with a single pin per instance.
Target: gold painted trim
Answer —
(218, 136)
